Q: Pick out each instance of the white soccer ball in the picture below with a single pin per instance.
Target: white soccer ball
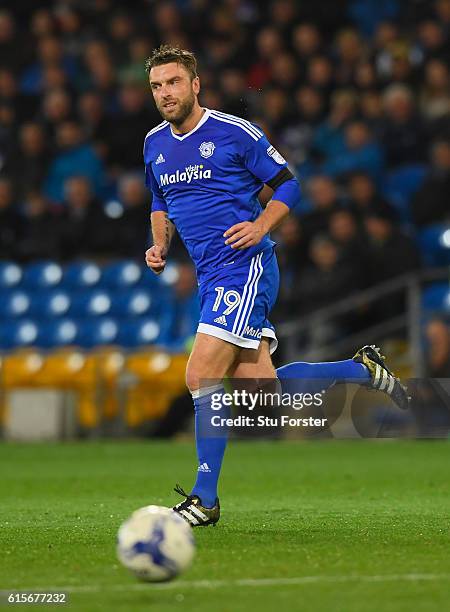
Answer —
(155, 543)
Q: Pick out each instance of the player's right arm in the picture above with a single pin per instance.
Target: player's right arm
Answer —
(162, 227)
(162, 231)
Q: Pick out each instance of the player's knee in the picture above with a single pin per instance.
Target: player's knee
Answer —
(193, 377)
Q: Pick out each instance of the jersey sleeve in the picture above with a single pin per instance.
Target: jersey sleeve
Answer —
(158, 202)
(260, 157)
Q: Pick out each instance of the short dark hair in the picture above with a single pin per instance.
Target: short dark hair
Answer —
(166, 54)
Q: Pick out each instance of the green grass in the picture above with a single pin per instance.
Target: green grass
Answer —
(358, 518)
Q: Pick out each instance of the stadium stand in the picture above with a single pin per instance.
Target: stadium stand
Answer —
(355, 94)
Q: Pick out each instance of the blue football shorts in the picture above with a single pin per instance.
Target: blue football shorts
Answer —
(235, 306)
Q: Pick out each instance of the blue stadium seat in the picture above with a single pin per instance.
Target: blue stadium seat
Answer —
(59, 332)
(17, 334)
(48, 304)
(436, 297)
(122, 274)
(95, 302)
(138, 332)
(10, 275)
(81, 274)
(97, 332)
(14, 303)
(170, 275)
(434, 243)
(401, 184)
(149, 280)
(42, 274)
(133, 302)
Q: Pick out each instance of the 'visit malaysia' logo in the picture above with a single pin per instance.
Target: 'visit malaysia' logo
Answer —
(194, 172)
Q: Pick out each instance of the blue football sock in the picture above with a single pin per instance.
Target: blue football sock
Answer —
(314, 377)
(211, 442)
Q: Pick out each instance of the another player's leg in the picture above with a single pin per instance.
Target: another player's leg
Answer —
(210, 360)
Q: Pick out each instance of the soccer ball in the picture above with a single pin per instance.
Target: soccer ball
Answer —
(155, 544)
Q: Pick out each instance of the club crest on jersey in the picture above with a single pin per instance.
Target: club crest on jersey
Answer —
(273, 153)
(206, 149)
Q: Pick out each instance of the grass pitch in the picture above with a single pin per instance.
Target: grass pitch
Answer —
(342, 526)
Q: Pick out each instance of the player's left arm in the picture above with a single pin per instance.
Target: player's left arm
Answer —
(264, 162)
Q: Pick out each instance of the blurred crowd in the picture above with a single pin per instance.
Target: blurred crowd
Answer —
(349, 90)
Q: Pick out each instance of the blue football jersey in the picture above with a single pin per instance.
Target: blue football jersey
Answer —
(208, 180)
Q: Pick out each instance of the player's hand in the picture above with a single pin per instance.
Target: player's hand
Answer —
(155, 258)
(243, 235)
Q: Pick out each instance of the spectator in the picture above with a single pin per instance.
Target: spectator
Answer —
(442, 8)
(268, 43)
(320, 74)
(431, 405)
(385, 36)
(403, 135)
(10, 222)
(391, 252)
(324, 280)
(283, 14)
(28, 163)
(364, 197)
(306, 41)
(322, 194)
(74, 158)
(42, 23)
(430, 204)
(50, 53)
(81, 218)
(349, 50)
(10, 52)
(120, 30)
(7, 130)
(435, 95)
(71, 27)
(371, 109)
(56, 108)
(369, 14)
(431, 40)
(100, 73)
(360, 152)
(345, 233)
(298, 136)
(130, 126)
(365, 76)
(140, 47)
(132, 226)
(181, 320)
(25, 106)
(291, 254)
(95, 124)
(438, 336)
(284, 72)
(41, 230)
(329, 140)
(276, 108)
(235, 92)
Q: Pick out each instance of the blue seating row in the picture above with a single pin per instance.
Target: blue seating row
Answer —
(50, 303)
(86, 333)
(83, 275)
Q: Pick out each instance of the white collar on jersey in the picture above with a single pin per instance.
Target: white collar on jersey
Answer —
(204, 118)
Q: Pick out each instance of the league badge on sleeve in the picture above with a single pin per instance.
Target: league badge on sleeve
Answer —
(207, 149)
(272, 152)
